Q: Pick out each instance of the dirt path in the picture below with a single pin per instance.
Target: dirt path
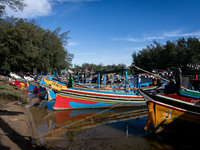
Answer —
(17, 129)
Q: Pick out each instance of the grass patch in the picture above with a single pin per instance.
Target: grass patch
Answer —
(9, 93)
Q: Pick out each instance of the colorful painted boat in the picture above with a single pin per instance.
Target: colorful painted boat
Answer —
(190, 93)
(52, 86)
(50, 82)
(117, 89)
(32, 86)
(171, 112)
(83, 99)
(20, 83)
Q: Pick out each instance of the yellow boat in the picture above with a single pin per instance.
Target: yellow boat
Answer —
(170, 112)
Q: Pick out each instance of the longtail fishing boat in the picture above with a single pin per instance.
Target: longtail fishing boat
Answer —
(50, 82)
(52, 86)
(171, 112)
(83, 99)
(76, 98)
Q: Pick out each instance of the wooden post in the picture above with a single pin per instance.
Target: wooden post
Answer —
(126, 81)
(99, 86)
(78, 78)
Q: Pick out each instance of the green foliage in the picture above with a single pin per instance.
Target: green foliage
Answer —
(97, 68)
(170, 55)
(13, 4)
(24, 45)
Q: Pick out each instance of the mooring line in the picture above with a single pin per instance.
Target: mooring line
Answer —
(90, 117)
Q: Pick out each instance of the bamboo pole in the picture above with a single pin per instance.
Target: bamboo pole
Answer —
(155, 75)
(151, 73)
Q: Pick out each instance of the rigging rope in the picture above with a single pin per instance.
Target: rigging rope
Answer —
(90, 117)
(155, 75)
(151, 73)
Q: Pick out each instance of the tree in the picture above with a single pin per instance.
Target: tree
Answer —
(24, 45)
(174, 54)
(16, 5)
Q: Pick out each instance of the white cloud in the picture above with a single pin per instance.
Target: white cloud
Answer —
(153, 38)
(136, 48)
(77, 0)
(138, 39)
(72, 44)
(172, 33)
(177, 33)
(39, 8)
(126, 39)
(34, 8)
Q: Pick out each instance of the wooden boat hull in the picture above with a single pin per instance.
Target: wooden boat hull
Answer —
(172, 113)
(82, 99)
(19, 83)
(33, 85)
(48, 81)
(65, 101)
(119, 89)
(50, 104)
(101, 94)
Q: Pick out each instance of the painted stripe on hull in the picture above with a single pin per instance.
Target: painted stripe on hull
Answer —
(166, 117)
(175, 108)
(100, 95)
(190, 93)
(81, 105)
(78, 102)
(97, 92)
(181, 99)
(184, 103)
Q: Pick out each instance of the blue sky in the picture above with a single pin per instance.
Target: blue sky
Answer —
(109, 31)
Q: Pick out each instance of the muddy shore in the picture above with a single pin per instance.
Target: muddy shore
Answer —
(17, 128)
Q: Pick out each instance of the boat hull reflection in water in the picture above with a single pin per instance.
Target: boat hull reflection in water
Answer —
(73, 127)
(121, 128)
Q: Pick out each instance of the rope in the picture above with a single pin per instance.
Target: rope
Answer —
(90, 117)
(156, 75)
(54, 85)
(151, 73)
(83, 86)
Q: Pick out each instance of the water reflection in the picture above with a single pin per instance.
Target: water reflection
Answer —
(76, 127)
(120, 128)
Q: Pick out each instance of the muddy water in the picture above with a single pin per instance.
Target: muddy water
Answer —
(101, 129)
(92, 128)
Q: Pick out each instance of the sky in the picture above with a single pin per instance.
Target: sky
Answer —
(109, 31)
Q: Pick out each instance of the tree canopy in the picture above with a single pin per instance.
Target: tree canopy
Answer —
(98, 68)
(25, 45)
(174, 54)
(16, 5)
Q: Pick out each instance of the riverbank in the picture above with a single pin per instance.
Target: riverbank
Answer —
(17, 128)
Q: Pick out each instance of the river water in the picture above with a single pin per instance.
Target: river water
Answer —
(100, 129)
